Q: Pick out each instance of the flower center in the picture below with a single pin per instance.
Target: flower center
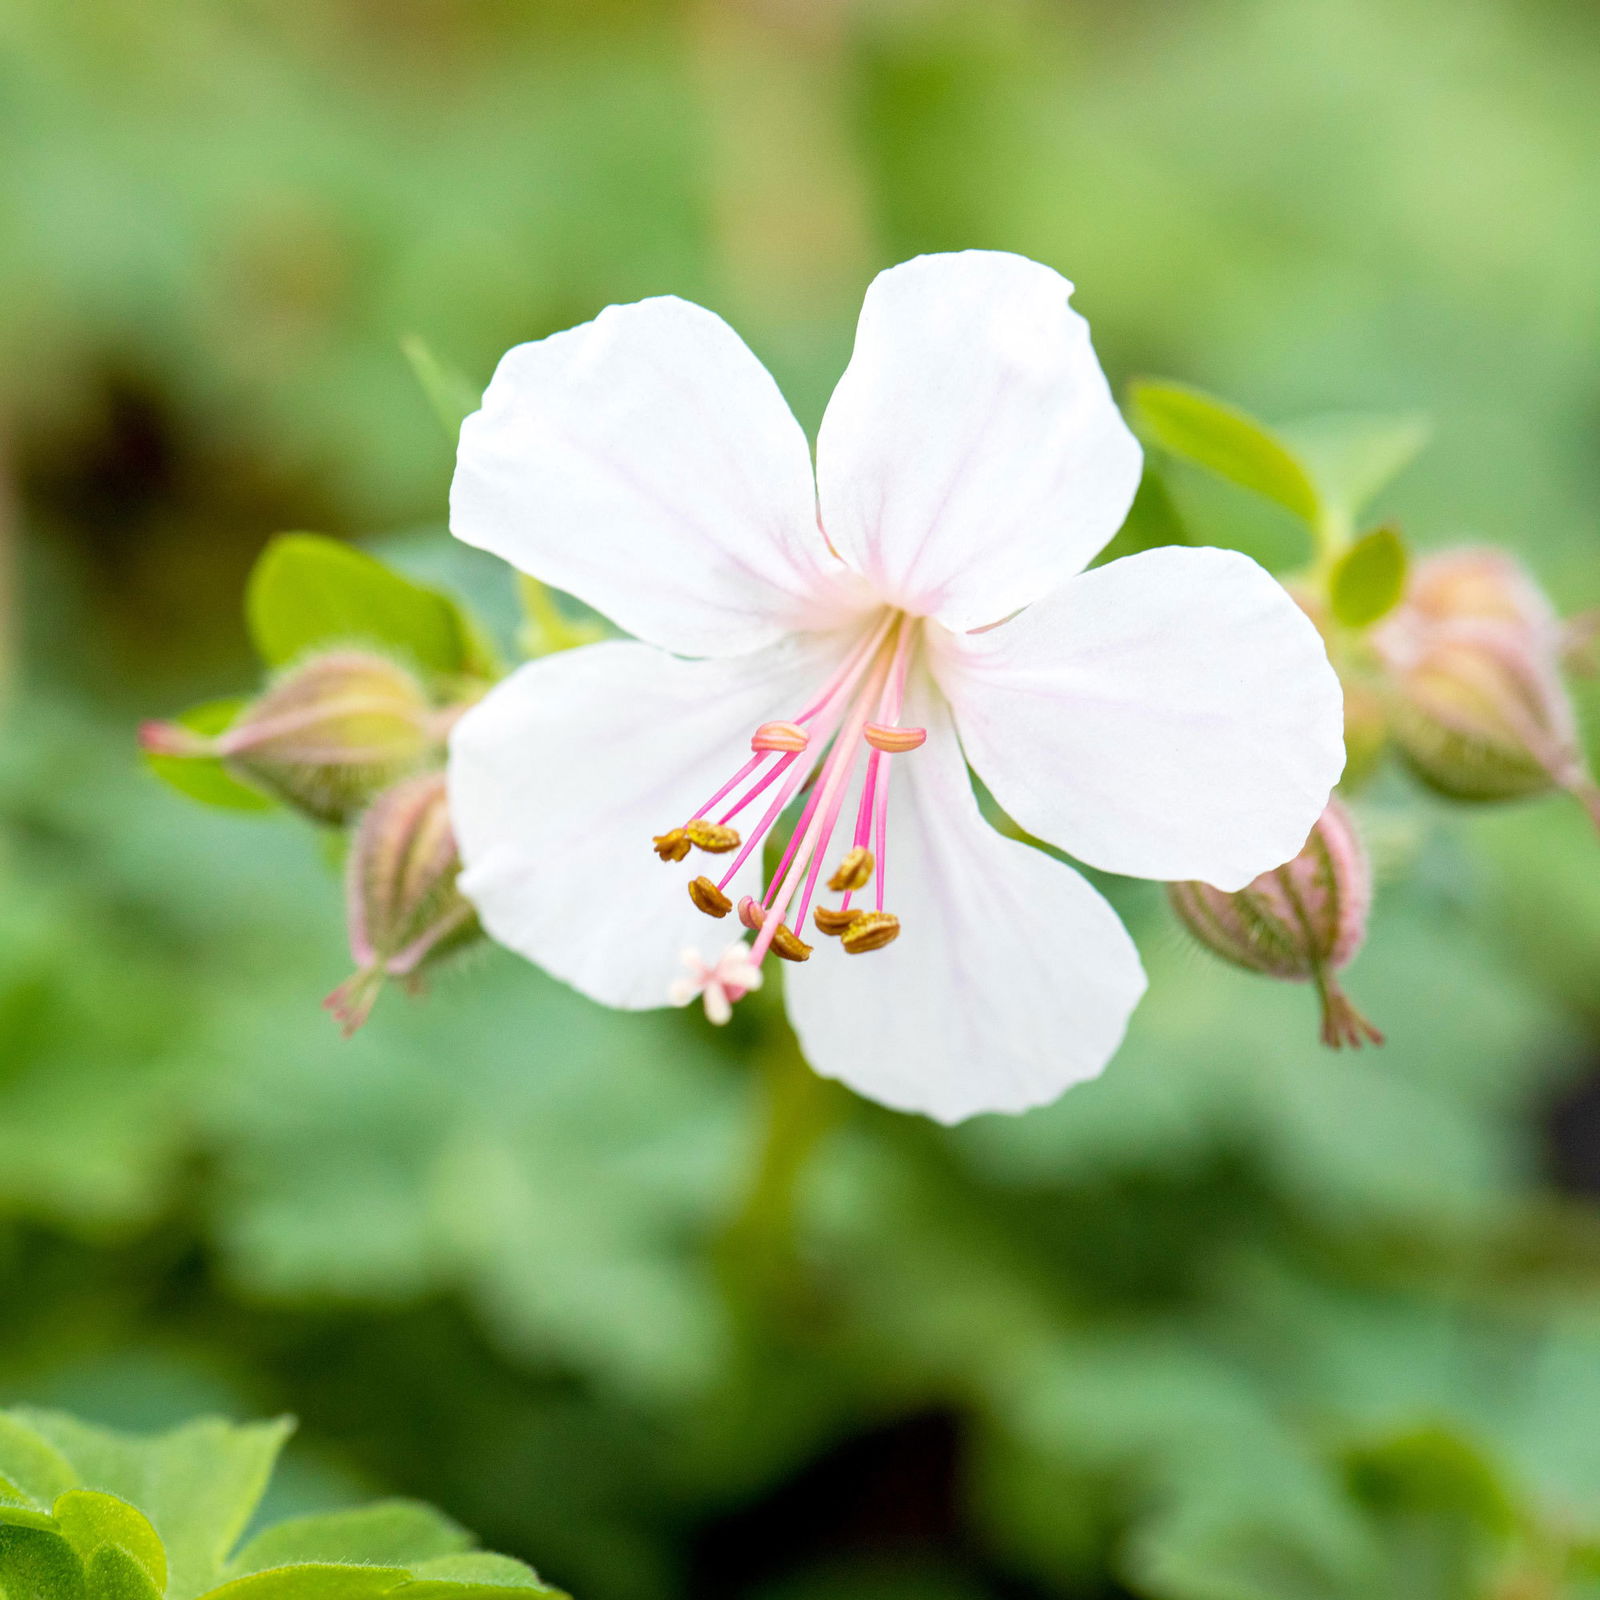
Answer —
(854, 716)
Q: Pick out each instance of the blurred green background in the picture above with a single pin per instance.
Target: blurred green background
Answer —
(1241, 1321)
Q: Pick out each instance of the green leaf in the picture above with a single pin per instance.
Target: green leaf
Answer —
(475, 1575)
(204, 778)
(1225, 441)
(31, 1464)
(391, 1532)
(312, 1581)
(91, 1521)
(1354, 456)
(307, 591)
(1369, 578)
(36, 1564)
(199, 1484)
(114, 1575)
(451, 393)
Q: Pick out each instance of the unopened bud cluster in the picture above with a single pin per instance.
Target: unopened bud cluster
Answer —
(1472, 687)
(351, 738)
(1302, 921)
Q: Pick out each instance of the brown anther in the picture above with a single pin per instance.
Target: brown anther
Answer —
(788, 944)
(751, 912)
(896, 741)
(672, 845)
(872, 930)
(709, 897)
(853, 872)
(832, 922)
(779, 736)
(711, 836)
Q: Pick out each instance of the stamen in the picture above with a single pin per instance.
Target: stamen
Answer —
(788, 944)
(672, 845)
(853, 872)
(897, 741)
(709, 897)
(710, 836)
(870, 930)
(779, 736)
(832, 922)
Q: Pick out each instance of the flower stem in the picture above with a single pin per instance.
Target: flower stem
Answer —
(799, 1109)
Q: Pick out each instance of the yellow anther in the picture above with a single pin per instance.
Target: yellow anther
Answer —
(832, 922)
(672, 845)
(788, 944)
(709, 898)
(853, 872)
(779, 736)
(711, 836)
(872, 930)
(896, 741)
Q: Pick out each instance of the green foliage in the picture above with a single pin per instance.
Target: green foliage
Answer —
(308, 591)
(1368, 579)
(87, 1514)
(1223, 439)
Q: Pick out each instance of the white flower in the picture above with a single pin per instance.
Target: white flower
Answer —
(1170, 715)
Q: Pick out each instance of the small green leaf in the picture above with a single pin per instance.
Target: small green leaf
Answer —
(473, 1575)
(392, 1532)
(1226, 441)
(1352, 457)
(90, 1521)
(199, 1484)
(114, 1575)
(453, 395)
(36, 1564)
(312, 1581)
(307, 591)
(204, 778)
(31, 1464)
(1369, 578)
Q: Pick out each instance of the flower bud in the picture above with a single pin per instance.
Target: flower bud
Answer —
(1302, 921)
(332, 732)
(1472, 660)
(402, 904)
(1477, 583)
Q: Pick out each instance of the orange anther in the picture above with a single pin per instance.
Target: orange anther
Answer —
(894, 741)
(779, 736)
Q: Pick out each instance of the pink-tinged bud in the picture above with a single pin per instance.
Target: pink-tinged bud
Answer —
(332, 732)
(1302, 921)
(1472, 663)
(1480, 583)
(403, 908)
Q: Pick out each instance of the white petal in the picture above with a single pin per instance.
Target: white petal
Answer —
(971, 457)
(1169, 715)
(1011, 979)
(560, 776)
(647, 463)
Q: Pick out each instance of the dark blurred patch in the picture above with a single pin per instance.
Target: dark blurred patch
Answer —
(1571, 1129)
(878, 1512)
(155, 518)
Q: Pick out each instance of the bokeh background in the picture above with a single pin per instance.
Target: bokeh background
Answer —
(1241, 1321)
